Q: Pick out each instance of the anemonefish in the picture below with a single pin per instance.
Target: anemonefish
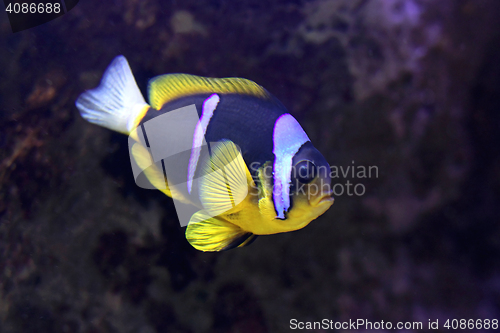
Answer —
(274, 180)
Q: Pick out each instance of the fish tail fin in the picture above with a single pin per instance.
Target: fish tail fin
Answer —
(117, 103)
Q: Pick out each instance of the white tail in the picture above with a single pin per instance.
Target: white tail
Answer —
(116, 102)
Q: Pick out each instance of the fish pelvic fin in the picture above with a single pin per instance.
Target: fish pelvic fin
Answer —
(117, 103)
(212, 233)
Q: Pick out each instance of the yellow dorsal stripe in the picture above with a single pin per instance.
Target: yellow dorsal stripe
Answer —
(165, 88)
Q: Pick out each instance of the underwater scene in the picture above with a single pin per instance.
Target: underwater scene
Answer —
(249, 166)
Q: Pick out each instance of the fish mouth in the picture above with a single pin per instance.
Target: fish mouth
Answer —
(325, 198)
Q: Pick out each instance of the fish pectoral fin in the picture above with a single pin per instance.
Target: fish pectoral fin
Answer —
(266, 208)
(226, 180)
(211, 233)
(266, 205)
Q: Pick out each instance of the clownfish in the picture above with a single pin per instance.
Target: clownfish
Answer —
(274, 179)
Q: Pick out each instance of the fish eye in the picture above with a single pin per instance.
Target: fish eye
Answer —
(305, 171)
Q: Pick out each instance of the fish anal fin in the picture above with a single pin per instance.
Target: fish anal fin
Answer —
(154, 172)
(212, 233)
(151, 170)
(249, 240)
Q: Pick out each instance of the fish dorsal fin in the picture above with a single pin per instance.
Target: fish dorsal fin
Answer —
(226, 180)
(165, 88)
(207, 233)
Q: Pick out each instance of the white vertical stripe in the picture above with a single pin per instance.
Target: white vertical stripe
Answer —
(288, 137)
(207, 112)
